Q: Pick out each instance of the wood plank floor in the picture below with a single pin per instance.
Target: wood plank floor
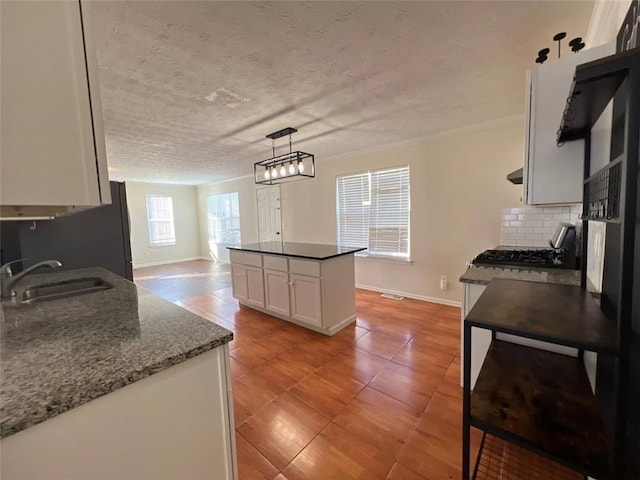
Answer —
(379, 400)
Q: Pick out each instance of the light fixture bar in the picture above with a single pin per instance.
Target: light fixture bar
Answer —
(282, 133)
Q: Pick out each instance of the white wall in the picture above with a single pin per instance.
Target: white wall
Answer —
(248, 216)
(185, 215)
(458, 190)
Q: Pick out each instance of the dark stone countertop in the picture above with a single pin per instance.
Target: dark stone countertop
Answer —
(482, 275)
(59, 354)
(311, 251)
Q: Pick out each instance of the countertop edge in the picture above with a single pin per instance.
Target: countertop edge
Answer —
(308, 257)
(8, 429)
(51, 399)
(482, 275)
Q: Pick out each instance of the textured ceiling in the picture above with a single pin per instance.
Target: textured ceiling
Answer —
(190, 89)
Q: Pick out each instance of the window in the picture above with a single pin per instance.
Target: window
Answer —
(223, 219)
(160, 219)
(373, 211)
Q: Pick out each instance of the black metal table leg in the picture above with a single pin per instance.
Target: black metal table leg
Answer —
(466, 406)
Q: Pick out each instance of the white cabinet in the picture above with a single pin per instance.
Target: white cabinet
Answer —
(276, 290)
(177, 423)
(306, 299)
(553, 174)
(53, 153)
(248, 284)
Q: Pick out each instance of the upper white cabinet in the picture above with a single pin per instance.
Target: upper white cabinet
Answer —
(553, 174)
(53, 154)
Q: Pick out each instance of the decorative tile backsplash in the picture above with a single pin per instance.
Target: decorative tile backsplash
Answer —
(530, 226)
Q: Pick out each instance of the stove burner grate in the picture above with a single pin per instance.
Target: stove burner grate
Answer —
(548, 258)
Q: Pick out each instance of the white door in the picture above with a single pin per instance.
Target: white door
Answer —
(306, 299)
(276, 289)
(269, 220)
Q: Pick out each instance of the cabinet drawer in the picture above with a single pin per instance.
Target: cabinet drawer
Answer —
(272, 262)
(304, 267)
(245, 258)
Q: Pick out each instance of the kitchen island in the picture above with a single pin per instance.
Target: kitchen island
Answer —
(118, 383)
(310, 285)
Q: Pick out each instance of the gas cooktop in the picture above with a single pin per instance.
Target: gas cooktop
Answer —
(544, 257)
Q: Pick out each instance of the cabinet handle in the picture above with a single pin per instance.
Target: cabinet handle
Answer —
(290, 284)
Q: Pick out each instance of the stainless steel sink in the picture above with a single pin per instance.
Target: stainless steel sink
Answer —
(62, 289)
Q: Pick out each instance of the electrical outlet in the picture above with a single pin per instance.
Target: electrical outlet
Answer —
(444, 282)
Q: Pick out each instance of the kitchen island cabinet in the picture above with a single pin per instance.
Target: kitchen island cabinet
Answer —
(114, 384)
(307, 284)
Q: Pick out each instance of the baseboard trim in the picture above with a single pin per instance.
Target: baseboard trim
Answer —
(441, 301)
(326, 331)
(167, 262)
(339, 326)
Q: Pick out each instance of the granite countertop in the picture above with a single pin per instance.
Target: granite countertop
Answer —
(58, 354)
(301, 250)
(483, 275)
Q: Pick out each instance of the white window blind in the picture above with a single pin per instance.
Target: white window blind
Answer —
(373, 211)
(223, 218)
(160, 219)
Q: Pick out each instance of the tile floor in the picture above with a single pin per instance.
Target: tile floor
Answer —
(379, 400)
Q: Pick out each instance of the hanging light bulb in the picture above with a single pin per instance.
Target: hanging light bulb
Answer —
(282, 168)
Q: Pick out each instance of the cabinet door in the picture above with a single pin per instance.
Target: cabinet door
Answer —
(239, 282)
(306, 299)
(553, 174)
(52, 143)
(255, 286)
(276, 289)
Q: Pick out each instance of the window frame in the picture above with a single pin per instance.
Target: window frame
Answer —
(170, 220)
(209, 225)
(367, 254)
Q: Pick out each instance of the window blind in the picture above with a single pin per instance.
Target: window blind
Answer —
(223, 218)
(160, 220)
(373, 210)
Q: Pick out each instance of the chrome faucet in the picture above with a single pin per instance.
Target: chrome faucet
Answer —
(8, 279)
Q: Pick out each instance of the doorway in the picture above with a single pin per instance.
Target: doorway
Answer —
(269, 219)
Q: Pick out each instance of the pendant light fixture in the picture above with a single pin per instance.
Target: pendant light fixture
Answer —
(287, 167)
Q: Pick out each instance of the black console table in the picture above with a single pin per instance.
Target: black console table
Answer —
(538, 400)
